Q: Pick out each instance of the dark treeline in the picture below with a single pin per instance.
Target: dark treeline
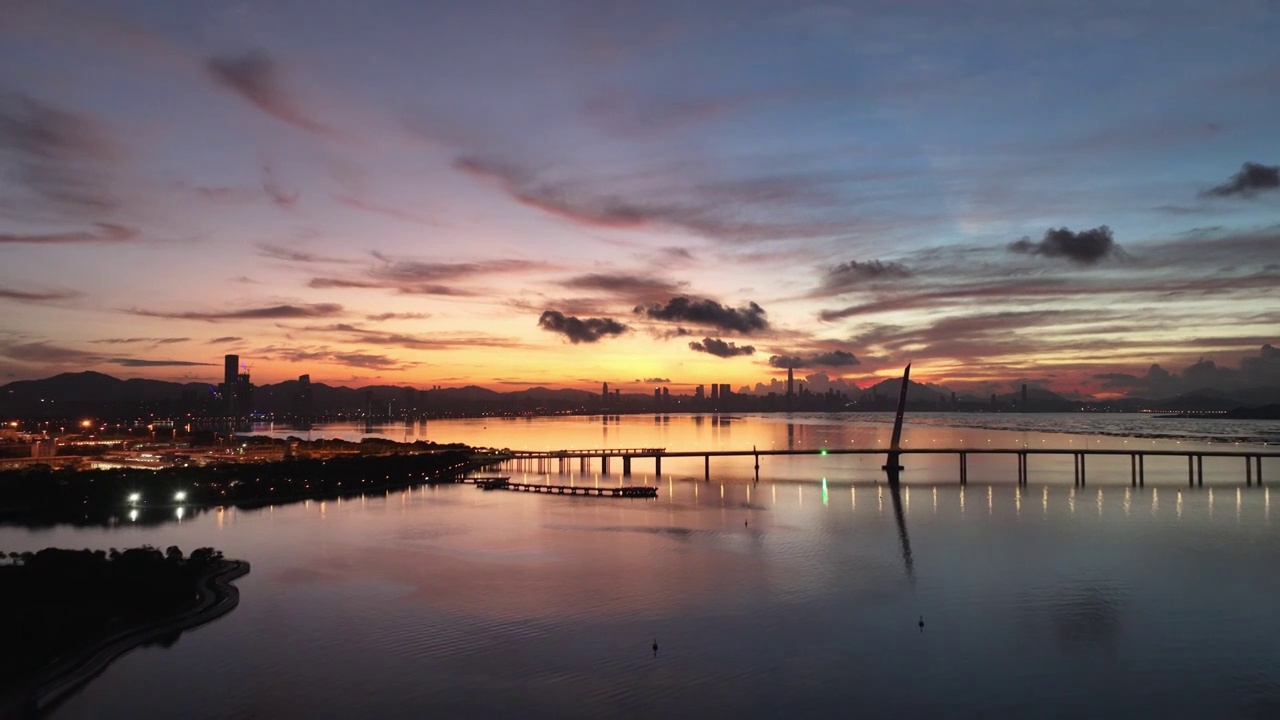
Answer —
(66, 600)
(40, 495)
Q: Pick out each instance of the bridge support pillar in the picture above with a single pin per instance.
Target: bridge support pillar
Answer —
(657, 467)
(626, 466)
(1259, 473)
(1199, 471)
(1248, 471)
(1191, 471)
(1133, 471)
(964, 469)
(757, 467)
(604, 464)
(706, 468)
(1142, 474)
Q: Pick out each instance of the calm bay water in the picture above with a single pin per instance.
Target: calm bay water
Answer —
(797, 595)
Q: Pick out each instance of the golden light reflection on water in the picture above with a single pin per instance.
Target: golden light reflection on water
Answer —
(1017, 501)
(1071, 501)
(935, 500)
(1210, 502)
(1044, 500)
(1128, 501)
(1266, 504)
(989, 499)
(880, 499)
(1099, 502)
(1155, 500)
(962, 499)
(1177, 506)
(1237, 504)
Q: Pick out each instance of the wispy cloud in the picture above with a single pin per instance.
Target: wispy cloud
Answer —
(384, 210)
(105, 233)
(580, 330)
(711, 210)
(255, 77)
(34, 297)
(634, 288)
(59, 155)
(380, 317)
(275, 189)
(271, 312)
(138, 340)
(224, 340)
(277, 252)
(138, 363)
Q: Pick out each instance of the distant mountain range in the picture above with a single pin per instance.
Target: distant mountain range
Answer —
(93, 394)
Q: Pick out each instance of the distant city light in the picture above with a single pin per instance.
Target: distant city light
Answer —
(179, 496)
(135, 497)
(86, 423)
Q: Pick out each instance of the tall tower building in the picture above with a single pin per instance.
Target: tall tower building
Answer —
(791, 383)
(303, 409)
(604, 395)
(230, 384)
(715, 391)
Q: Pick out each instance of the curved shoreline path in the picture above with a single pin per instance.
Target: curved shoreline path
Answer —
(217, 597)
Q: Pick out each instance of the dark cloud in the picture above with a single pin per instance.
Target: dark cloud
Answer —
(136, 340)
(136, 362)
(655, 380)
(272, 312)
(106, 233)
(57, 154)
(720, 348)
(225, 339)
(1252, 179)
(35, 297)
(632, 287)
(1085, 247)
(708, 313)
(580, 330)
(854, 274)
(397, 316)
(254, 77)
(275, 189)
(831, 358)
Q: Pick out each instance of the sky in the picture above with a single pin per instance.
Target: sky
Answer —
(1074, 194)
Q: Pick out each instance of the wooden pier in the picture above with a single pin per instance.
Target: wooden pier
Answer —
(631, 491)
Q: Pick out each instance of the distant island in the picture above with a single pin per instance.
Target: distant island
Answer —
(79, 610)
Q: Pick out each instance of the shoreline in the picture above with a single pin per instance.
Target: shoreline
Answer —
(216, 597)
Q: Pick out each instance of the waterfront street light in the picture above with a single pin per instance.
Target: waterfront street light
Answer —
(179, 496)
(135, 498)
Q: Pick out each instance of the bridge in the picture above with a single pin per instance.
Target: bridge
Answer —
(544, 461)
